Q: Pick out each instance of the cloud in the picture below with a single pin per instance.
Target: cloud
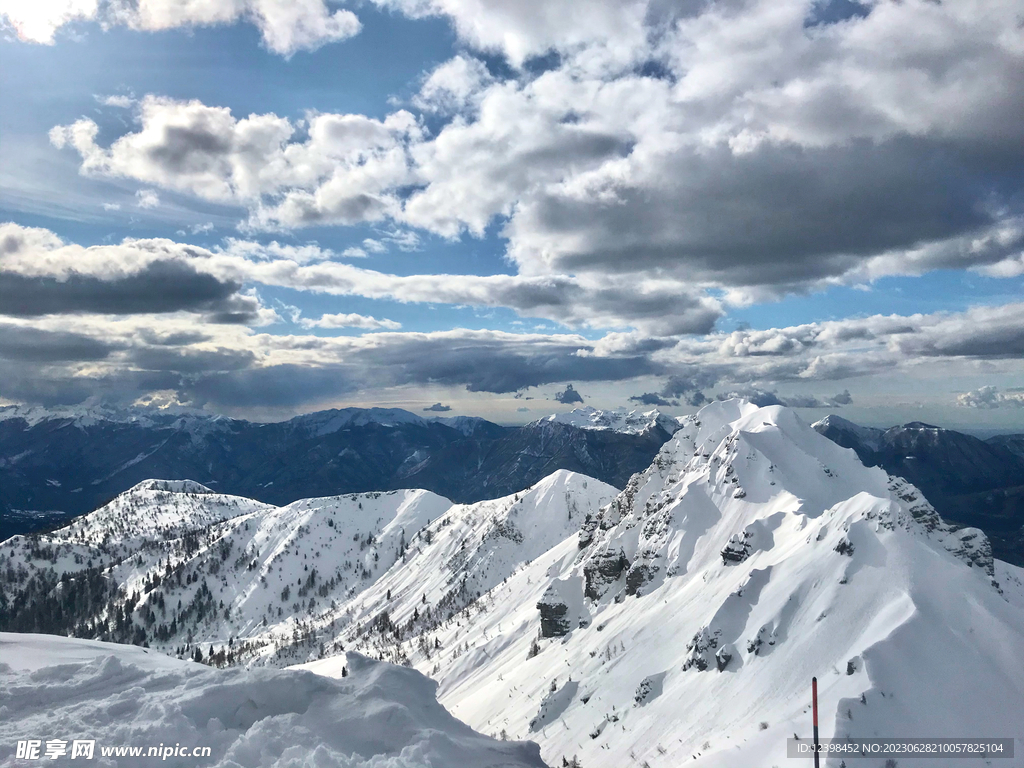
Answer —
(350, 321)
(989, 397)
(118, 101)
(438, 407)
(841, 399)
(287, 26)
(568, 395)
(39, 22)
(521, 29)
(632, 142)
(452, 86)
(162, 286)
(652, 398)
(650, 145)
(136, 299)
(286, 385)
(146, 199)
(347, 169)
(34, 345)
(763, 398)
(191, 361)
(657, 306)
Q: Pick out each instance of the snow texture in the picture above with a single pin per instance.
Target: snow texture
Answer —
(619, 420)
(377, 716)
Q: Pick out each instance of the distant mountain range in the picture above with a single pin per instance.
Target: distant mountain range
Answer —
(56, 464)
(59, 463)
(970, 482)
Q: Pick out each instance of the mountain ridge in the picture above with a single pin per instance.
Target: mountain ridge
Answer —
(970, 481)
(751, 554)
(58, 464)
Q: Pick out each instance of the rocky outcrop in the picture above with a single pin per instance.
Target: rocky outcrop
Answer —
(603, 571)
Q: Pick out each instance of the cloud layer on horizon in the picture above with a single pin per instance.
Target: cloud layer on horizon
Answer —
(213, 341)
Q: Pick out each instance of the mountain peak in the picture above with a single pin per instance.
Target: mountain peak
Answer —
(633, 421)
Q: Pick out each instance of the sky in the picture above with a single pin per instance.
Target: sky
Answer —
(268, 207)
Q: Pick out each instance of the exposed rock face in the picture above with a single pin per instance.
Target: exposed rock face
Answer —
(603, 571)
(553, 621)
(738, 548)
(649, 689)
(638, 575)
(701, 648)
(560, 608)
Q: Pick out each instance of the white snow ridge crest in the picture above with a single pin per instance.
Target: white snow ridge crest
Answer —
(678, 622)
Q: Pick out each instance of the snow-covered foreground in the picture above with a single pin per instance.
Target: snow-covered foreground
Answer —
(121, 696)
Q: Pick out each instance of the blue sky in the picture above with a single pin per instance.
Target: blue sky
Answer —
(479, 203)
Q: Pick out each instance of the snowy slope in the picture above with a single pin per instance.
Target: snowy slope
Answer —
(379, 715)
(176, 568)
(85, 416)
(619, 420)
(326, 422)
(466, 552)
(685, 620)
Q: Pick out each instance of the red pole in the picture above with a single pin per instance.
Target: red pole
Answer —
(814, 705)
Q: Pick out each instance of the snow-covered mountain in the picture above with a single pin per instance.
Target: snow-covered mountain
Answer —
(630, 422)
(683, 623)
(120, 698)
(970, 482)
(171, 564)
(463, 555)
(677, 621)
(57, 463)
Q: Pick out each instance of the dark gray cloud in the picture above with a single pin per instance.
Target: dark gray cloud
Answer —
(162, 286)
(176, 339)
(843, 398)
(191, 361)
(438, 408)
(484, 362)
(35, 345)
(272, 386)
(687, 387)
(568, 395)
(53, 385)
(780, 214)
(652, 398)
(993, 340)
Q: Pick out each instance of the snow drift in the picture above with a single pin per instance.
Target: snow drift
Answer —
(379, 715)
